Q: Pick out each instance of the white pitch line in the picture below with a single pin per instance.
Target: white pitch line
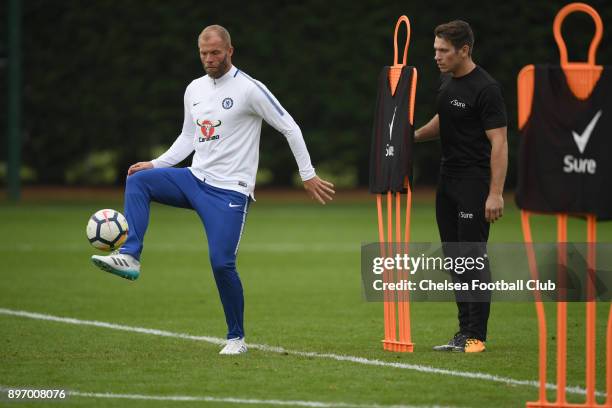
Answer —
(227, 400)
(273, 349)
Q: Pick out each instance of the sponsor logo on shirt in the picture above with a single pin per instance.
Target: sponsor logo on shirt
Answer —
(227, 103)
(207, 127)
(582, 165)
(389, 150)
(465, 215)
(458, 103)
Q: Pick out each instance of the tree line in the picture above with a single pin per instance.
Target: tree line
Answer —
(103, 81)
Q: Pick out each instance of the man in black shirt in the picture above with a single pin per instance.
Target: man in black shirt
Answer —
(471, 124)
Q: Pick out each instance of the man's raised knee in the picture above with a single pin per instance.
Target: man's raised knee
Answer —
(136, 180)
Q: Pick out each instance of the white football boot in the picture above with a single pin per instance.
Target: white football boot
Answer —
(234, 346)
(123, 265)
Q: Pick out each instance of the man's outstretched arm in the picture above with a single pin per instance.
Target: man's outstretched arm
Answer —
(268, 107)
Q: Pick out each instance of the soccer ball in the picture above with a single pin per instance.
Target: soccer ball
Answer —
(107, 230)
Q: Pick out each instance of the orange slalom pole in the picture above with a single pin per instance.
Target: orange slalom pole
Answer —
(591, 309)
(394, 75)
(408, 209)
(390, 301)
(398, 229)
(405, 304)
(381, 239)
(389, 220)
(541, 313)
(401, 299)
(581, 79)
(381, 234)
(400, 273)
(562, 310)
(581, 76)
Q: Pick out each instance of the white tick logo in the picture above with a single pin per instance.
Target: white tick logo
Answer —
(234, 205)
(583, 139)
(391, 124)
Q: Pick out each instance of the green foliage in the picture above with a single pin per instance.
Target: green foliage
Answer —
(110, 75)
(264, 177)
(97, 168)
(26, 174)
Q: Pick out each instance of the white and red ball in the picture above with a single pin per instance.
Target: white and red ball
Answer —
(107, 230)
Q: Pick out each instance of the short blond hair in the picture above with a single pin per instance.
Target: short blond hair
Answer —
(219, 30)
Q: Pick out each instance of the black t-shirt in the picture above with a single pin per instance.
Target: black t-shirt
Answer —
(467, 106)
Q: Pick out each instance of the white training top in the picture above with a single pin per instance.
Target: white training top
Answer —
(223, 125)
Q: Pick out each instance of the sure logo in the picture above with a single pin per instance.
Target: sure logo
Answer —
(458, 103)
(573, 164)
(389, 150)
(579, 165)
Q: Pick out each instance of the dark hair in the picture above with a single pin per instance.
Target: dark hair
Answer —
(458, 33)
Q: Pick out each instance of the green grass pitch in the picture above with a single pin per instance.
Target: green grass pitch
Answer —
(299, 263)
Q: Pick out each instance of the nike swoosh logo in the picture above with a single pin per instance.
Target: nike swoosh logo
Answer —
(235, 205)
(391, 124)
(583, 139)
(197, 103)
